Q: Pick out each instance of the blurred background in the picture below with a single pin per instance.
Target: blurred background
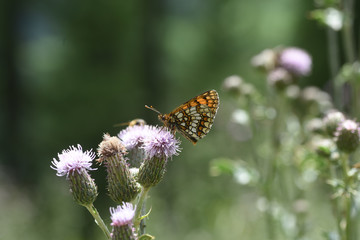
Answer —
(70, 70)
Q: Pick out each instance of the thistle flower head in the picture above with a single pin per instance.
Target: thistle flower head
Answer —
(121, 184)
(75, 164)
(110, 146)
(158, 146)
(73, 159)
(161, 143)
(122, 215)
(332, 120)
(315, 125)
(279, 78)
(296, 61)
(133, 136)
(347, 136)
(266, 60)
(232, 83)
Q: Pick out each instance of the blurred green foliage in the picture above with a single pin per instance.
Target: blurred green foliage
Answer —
(70, 70)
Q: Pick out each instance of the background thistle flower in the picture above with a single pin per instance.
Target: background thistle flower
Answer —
(159, 146)
(332, 120)
(266, 60)
(296, 61)
(122, 186)
(121, 221)
(233, 84)
(279, 78)
(75, 164)
(347, 136)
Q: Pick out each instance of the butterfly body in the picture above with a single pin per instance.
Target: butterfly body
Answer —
(194, 118)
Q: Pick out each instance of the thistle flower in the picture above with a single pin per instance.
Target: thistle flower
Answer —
(324, 147)
(121, 221)
(121, 183)
(237, 86)
(133, 139)
(316, 99)
(296, 61)
(279, 78)
(161, 143)
(266, 60)
(332, 120)
(75, 164)
(315, 125)
(159, 146)
(347, 136)
(233, 84)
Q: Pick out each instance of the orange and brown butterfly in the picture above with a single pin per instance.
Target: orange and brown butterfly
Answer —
(194, 118)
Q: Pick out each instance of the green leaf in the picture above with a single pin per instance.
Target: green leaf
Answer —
(221, 166)
(147, 214)
(146, 237)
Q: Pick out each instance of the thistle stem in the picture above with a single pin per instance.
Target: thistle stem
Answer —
(139, 206)
(93, 211)
(334, 65)
(348, 35)
(347, 199)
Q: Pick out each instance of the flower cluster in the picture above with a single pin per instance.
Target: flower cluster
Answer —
(283, 65)
(128, 179)
(153, 140)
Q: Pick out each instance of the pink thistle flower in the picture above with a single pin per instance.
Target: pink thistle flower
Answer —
(296, 61)
(73, 159)
(122, 215)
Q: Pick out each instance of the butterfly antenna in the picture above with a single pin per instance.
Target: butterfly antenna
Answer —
(152, 108)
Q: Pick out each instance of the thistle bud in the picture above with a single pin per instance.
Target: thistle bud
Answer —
(75, 164)
(159, 146)
(324, 147)
(122, 186)
(332, 120)
(121, 221)
(347, 136)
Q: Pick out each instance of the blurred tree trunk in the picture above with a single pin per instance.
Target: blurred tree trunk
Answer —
(10, 85)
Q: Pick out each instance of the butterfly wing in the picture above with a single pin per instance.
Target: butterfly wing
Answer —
(194, 118)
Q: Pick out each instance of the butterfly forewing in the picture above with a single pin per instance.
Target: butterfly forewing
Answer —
(194, 118)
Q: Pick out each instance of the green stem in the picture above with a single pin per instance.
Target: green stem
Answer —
(139, 206)
(350, 51)
(347, 198)
(334, 65)
(253, 142)
(348, 34)
(335, 202)
(98, 220)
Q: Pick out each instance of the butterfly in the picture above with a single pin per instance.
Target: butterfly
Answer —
(194, 118)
